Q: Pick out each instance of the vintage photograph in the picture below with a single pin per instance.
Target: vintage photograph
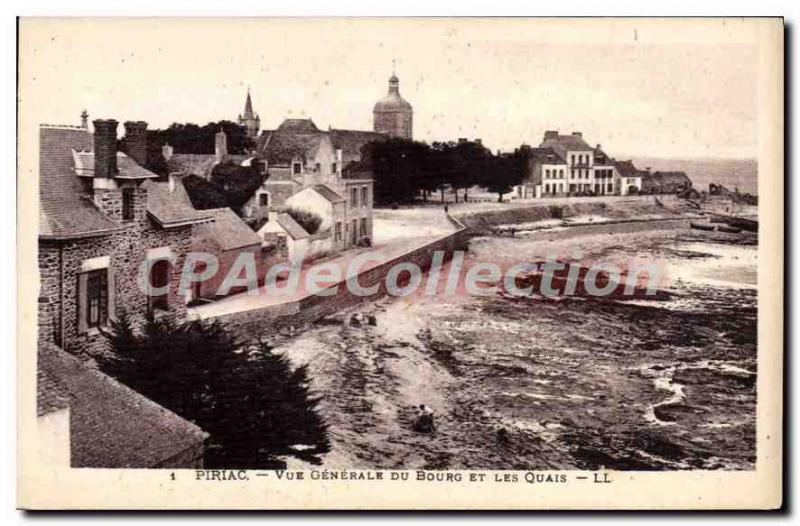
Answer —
(330, 246)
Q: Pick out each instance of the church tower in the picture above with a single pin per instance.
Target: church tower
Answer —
(250, 120)
(393, 115)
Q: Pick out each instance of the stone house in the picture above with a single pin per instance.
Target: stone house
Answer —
(306, 169)
(629, 178)
(288, 237)
(102, 219)
(578, 156)
(545, 174)
(665, 182)
(228, 238)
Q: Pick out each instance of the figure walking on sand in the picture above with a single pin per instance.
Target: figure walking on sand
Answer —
(424, 423)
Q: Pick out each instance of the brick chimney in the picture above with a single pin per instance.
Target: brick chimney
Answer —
(105, 148)
(550, 134)
(136, 141)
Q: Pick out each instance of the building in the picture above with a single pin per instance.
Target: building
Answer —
(546, 174)
(86, 419)
(578, 156)
(629, 178)
(287, 236)
(305, 169)
(249, 120)
(228, 238)
(393, 115)
(103, 217)
(665, 182)
(605, 173)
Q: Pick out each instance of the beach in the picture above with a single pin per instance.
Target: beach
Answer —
(566, 383)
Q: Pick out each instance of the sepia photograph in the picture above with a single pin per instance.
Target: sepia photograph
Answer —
(424, 252)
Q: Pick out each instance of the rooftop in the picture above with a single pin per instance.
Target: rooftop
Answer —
(228, 230)
(111, 425)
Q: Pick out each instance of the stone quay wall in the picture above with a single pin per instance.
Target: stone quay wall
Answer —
(265, 320)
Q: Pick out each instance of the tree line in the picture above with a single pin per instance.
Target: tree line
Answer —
(405, 171)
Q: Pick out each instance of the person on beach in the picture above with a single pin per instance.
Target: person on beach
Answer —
(424, 422)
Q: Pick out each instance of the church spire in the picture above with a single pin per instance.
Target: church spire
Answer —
(248, 106)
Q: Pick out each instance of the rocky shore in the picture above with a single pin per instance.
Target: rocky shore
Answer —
(572, 383)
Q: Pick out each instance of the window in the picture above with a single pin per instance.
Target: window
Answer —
(547, 174)
(354, 232)
(333, 168)
(127, 204)
(547, 188)
(97, 298)
(353, 197)
(297, 168)
(363, 226)
(318, 167)
(337, 231)
(364, 197)
(159, 277)
(263, 199)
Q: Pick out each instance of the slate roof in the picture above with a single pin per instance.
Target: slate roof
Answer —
(291, 226)
(66, 211)
(282, 148)
(228, 230)
(328, 193)
(305, 126)
(111, 425)
(172, 208)
(546, 156)
(352, 141)
(627, 169)
(561, 144)
(50, 397)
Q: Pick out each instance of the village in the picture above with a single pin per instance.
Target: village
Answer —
(123, 216)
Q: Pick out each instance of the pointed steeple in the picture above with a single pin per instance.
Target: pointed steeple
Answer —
(248, 106)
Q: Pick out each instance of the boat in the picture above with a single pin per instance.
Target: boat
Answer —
(701, 226)
(728, 229)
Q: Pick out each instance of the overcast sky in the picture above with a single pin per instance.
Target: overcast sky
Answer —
(505, 82)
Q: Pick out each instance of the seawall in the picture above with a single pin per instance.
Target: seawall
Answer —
(338, 296)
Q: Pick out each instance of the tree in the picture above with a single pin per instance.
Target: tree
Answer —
(249, 399)
(505, 172)
(203, 194)
(237, 183)
(306, 219)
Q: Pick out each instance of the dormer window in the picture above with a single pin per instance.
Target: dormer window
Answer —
(297, 168)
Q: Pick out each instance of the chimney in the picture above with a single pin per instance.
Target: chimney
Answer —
(478, 142)
(550, 134)
(136, 141)
(105, 147)
(167, 152)
(577, 134)
(598, 147)
(220, 146)
(173, 182)
(85, 119)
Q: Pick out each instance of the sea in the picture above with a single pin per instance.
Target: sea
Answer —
(731, 173)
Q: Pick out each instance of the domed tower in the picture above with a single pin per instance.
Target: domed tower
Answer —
(250, 120)
(393, 115)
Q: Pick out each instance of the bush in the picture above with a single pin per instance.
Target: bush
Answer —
(250, 400)
(308, 220)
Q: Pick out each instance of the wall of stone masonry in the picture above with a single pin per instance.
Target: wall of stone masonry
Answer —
(255, 322)
(60, 262)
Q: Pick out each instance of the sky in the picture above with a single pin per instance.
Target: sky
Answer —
(635, 88)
